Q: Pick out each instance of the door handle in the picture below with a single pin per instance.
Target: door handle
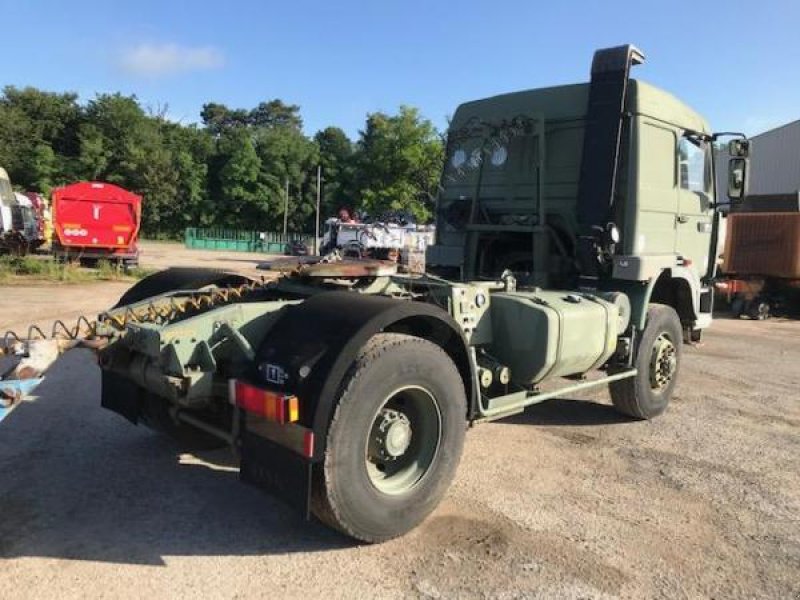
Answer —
(682, 219)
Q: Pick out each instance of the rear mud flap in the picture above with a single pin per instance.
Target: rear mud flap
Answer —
(277, 471)
(120, 395)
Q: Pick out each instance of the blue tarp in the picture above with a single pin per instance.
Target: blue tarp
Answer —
(23, 386)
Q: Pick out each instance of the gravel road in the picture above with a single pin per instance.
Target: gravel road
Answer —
(568, 500)
(162, 255)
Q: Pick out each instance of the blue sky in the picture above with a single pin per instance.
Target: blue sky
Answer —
(736, 62)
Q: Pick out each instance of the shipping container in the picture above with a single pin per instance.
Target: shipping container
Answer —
(761, 263)
(763, 244)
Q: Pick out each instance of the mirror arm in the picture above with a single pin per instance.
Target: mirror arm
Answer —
(719, 134)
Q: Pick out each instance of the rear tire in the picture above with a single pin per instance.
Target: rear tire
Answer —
(658, 359)
(395, 439)
(759, 309)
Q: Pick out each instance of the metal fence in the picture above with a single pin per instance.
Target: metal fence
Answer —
(268, 242)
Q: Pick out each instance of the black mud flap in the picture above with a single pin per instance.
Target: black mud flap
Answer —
(278, 471)
(120, 395)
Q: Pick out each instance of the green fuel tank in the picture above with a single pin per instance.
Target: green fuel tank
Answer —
(541, 334)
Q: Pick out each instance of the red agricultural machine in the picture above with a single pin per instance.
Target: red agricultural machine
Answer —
(94, 221)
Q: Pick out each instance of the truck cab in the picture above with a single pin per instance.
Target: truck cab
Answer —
(7, 201)
(13, 217)
(518, 193)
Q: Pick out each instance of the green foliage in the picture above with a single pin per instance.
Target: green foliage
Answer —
(231, 172)
(243, 197)
(338, 168)
(38, 135)
(398, 163)
(288, 156)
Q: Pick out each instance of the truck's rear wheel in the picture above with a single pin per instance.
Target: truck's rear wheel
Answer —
(657, 360)
(395, 440)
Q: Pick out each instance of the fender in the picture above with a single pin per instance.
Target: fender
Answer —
(640, 293)
(308, 351)
(679, 287)
(691, 277)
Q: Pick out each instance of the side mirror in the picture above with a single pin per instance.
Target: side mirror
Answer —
(739, 148)
(737, 179)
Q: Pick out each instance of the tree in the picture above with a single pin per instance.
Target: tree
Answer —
(288, 156)
(231, 172)
(398, 162)
(274, 114)
(218, 118)
(121, 144)
(244, 200)
(42, 168)
(38, 136)
(191, 150)
(336, 158)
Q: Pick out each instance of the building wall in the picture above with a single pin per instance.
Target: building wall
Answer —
(774, 162)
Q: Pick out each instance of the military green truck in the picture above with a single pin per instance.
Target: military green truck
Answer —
(576, 243)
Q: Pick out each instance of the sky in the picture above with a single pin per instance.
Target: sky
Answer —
(736, 62)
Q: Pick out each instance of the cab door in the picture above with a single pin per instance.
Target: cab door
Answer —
(657, 198)
(693, 221)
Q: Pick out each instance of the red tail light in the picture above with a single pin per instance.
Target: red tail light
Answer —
(273, 406)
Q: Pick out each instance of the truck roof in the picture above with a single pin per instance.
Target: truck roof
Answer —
(565, 102)
(22, 200)
(96, 191)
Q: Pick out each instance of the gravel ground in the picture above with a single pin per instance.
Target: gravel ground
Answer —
(162, 255)
(567, 500)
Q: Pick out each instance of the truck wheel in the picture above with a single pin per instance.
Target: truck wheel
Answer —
(759, 309)
(395, 439)
(658, 360)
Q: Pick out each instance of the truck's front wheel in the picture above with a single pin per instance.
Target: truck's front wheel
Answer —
(395, 440)
(657, 361)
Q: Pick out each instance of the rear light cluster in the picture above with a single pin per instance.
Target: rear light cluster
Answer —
(273, 406)
(76, 232)
(281, 413)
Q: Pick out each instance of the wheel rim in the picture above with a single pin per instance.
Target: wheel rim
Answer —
(403, 440)
(663, 362)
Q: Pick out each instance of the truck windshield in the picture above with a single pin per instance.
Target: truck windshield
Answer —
(492, 161)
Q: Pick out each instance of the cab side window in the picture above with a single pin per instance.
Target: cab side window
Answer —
(693, 165)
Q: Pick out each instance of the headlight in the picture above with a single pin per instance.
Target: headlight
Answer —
(499, 156)
(613, 232)
(458, 159)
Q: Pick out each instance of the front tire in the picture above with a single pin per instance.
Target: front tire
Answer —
(658, 359)
(395, 439)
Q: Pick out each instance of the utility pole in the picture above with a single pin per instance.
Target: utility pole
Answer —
(319, 195)
(286, 210)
